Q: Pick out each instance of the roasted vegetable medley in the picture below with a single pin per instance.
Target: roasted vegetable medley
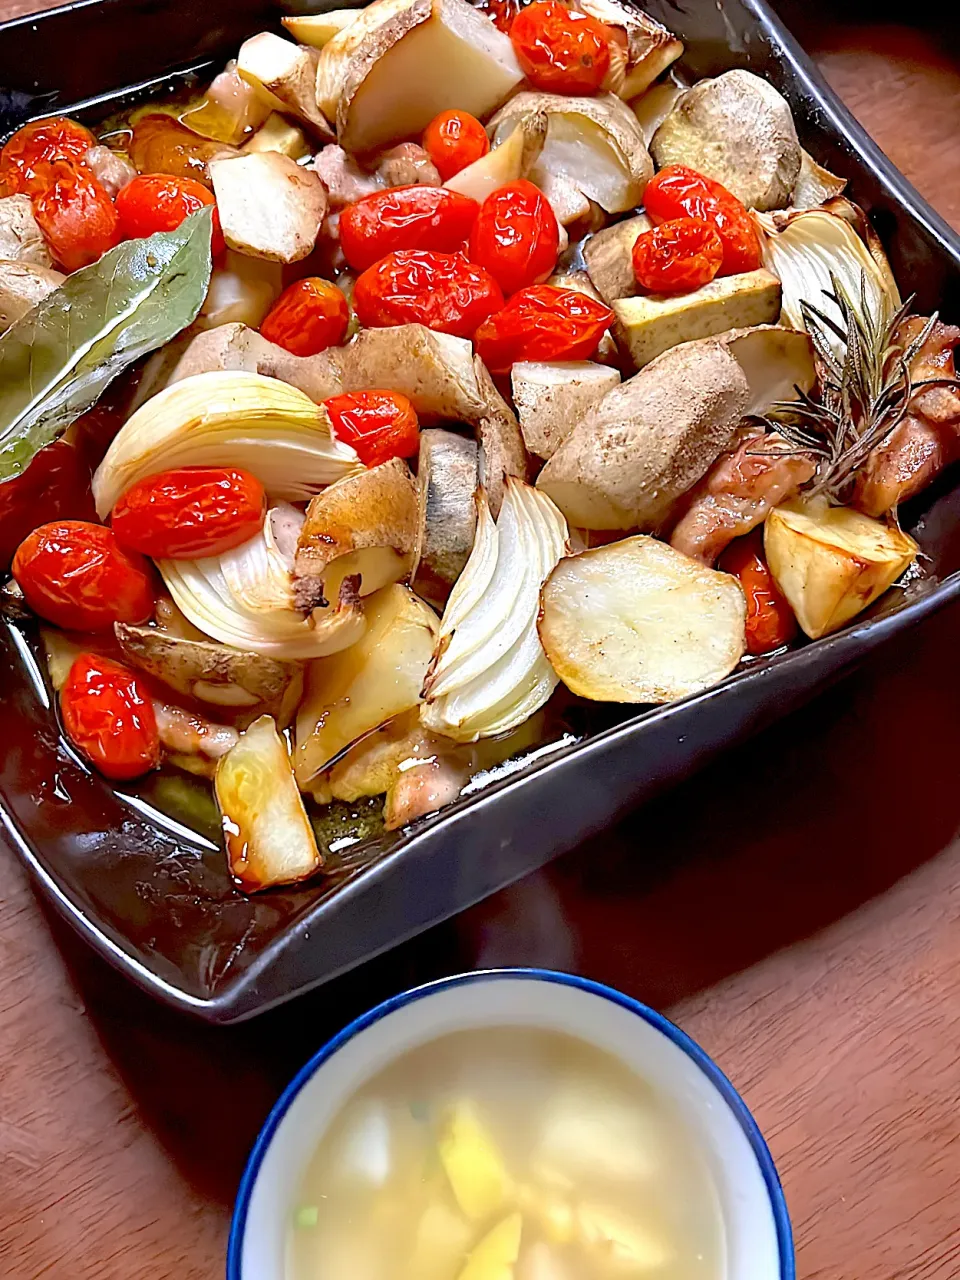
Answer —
(434, 357)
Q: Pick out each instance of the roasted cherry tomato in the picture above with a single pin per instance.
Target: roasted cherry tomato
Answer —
(561, 50)
(454, 139)
(440, 290)
(160, 202)
(309, 316)
(678, 192)
(78, 219)
(542, 322)
(502, 12)
(37, 144)
(161, 144)
(770, 620)
(76, 575)
(109, 717)
(380, 425)
(190, 513)
(405, 218)
(677, 256)
(57, 482)
(516, 236)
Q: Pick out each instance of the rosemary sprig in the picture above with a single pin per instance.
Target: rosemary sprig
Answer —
(864, 392)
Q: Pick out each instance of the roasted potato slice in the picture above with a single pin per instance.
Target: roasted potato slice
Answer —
(637, 621)
(502, 451)
(609, 258)
(552, 397)
(284, 75)
(268, 835)
(832, 562)
(738, 130)
(447, 479)
(278, 134)
(213, 673)
(374, 680)
(401, 62)
(511, 159)
(22, 286)
(242, 290)
(318, 29)
(364, 525)
(270, 207)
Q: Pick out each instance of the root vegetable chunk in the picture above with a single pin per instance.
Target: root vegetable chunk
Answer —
(738, 130)
(283, 74)
(551, 398)
(636, 621)
(649, 325)
(269, 206)
(609, 258)
(832, 562)
(447, 479)
(20, 238)
(401, 62)
(22, 286)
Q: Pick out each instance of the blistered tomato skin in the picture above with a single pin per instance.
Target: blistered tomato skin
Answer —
(678, 192)
(443, 291)
(405, 218)
(76, 216)
(677, 256)
(770, 621)
(76, 575)
(38, 144)
(190, 513)
(454, 139)
(57, 482)
(308, 317)
(516, 236)
(154, 202)
(561, 50)
(109, 718)
(543, 322)
(379, 425)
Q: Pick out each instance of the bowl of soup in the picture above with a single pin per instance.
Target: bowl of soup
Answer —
(510, 1125)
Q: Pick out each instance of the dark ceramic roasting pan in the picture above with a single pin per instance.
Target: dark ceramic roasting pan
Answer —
(156, 901)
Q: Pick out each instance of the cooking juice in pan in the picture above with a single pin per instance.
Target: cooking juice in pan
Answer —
(506, 1154)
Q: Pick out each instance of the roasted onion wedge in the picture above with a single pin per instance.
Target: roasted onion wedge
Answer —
(636, 621)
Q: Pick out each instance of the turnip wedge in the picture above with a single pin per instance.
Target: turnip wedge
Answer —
(637, 621)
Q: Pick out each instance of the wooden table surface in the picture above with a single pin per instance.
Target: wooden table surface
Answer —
(796, 909)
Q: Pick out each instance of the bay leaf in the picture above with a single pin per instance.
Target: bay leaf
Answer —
(58, 358)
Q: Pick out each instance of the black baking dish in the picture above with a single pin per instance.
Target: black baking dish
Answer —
(158, 903)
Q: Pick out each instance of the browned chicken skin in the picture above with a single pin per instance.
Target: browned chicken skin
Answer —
(736, 494)
(928, 438)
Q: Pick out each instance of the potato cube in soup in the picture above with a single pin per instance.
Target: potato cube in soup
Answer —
(473, 1163)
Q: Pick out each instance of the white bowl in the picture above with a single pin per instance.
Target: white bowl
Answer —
(757, 1228)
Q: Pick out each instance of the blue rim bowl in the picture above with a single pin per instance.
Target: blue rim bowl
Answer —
(736, 1105)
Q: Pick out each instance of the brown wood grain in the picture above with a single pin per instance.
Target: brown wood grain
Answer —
(796, 908)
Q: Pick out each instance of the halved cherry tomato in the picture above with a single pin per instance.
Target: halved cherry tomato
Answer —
(39, 143)
(454, 139)
(380, 425)
(57, 482)
(542, 322)
(677, 256)
(440, 290)
(78, 219)
(770, 620)
(516, 236)
(76, 575)
(405, 218)
(190, 513)
(561, 50)
(160, 202)
(677, 192)
(309, 316)
(109, 717)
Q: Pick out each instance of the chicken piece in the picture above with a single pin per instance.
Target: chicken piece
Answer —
(407, 165)
(928, 438)
(343, 178)
(269, 206)
(424, 788)
(736, 494)
(110, 169)
(20, 237)
(22, 286)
